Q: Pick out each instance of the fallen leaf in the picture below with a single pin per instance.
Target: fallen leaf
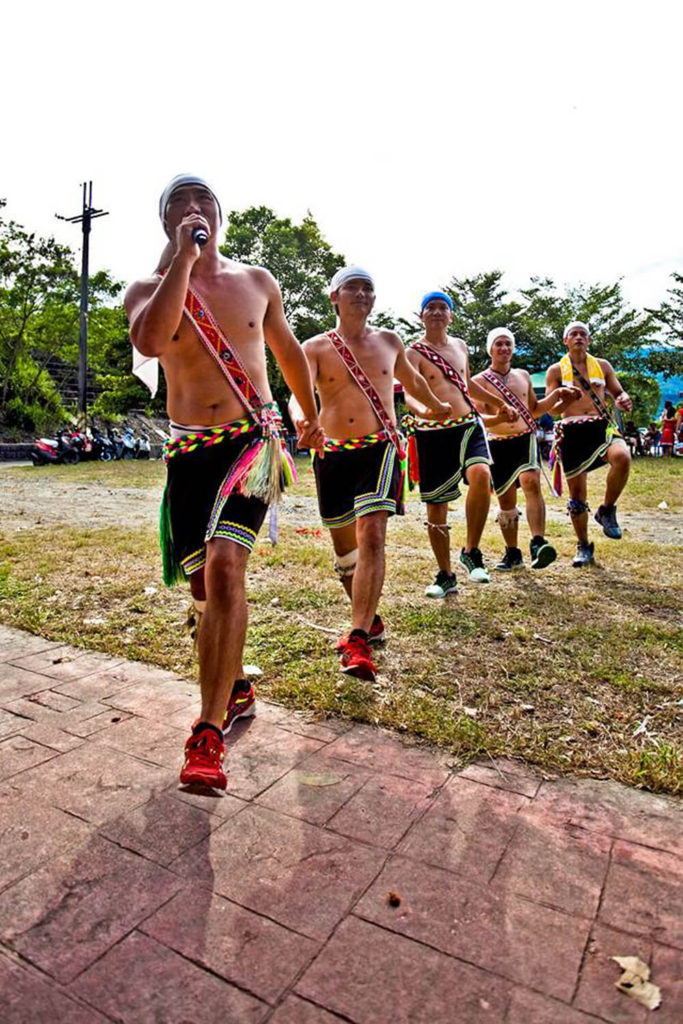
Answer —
(635, 982)
(393, 899)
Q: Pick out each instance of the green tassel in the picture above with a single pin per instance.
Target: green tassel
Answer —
(172, 570)
(264, 479)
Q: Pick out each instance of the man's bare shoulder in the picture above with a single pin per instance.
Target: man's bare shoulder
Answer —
(553, 370)
(315, 344)
(387, 337)
(261, 277)
(139, 291)
(605, 364)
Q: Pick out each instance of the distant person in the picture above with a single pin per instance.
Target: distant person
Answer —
(668, 429)
(633, 438)
(514, 450)
(586, 437)
(652, 438)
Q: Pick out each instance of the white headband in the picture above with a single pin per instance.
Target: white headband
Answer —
(572, 325)
(348, 274)
(178, 182)
(499, 332)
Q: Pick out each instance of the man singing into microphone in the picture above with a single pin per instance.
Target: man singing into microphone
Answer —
(207, 319)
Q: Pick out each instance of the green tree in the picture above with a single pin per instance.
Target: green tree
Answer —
(39, 319)
(299, 258)
(667, 358)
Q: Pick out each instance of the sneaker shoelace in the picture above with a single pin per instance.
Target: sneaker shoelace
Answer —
(205, 750)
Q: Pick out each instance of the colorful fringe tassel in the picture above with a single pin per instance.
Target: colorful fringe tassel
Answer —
(171, 568)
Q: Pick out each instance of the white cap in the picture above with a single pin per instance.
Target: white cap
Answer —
(348, 274)
(499, 332)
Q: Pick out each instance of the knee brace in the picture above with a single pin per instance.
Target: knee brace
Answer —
(507, 516)
(576, 507)
(345, 565)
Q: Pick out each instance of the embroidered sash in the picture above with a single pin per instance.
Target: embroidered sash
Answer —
(511, 398)
(449, 372)
(367, 387)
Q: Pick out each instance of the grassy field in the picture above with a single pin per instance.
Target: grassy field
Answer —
(577, 672)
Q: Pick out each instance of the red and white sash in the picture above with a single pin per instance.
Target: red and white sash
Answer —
(369, 390)
(511, 398)
(449, 371)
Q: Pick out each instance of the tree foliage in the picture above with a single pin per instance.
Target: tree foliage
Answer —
(301, 261)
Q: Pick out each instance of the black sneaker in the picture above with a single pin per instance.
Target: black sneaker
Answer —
(474, 563)
(444, 584)
(607, 517)
(512, 559)
(542, 553)
(584, 555)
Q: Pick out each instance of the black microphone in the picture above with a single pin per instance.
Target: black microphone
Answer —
(200, 236)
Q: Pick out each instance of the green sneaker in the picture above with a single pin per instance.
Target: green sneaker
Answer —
(474, 563)
(444, 584)
(542, 553)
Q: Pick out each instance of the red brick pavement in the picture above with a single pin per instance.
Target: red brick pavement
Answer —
(346, 875)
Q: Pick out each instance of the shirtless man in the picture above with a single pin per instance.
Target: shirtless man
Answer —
(453, 450)
(585, 439)
(515, 452)
(359, 481)
(212, 527)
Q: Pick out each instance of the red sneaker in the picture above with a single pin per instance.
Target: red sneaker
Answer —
(204, 753)
(242, 704)
(375, 636)
(356, 659)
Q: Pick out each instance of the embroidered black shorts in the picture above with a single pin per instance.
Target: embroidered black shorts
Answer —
(358, 481)
(583, 446)
(512, 456)
(444, 456)
(198, 512)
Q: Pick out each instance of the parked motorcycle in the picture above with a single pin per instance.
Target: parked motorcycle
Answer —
(54, 451)
(103, 449)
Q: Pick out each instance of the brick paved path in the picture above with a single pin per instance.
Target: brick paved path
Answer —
(345, 876)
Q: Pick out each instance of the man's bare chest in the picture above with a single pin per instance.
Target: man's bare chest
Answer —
(450, 355)
(378, 366)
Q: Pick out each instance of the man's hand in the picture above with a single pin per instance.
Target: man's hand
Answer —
(309, 434)
(567, 395)
(623, 402)
(507, 414)
(185, 243)
(440, 410)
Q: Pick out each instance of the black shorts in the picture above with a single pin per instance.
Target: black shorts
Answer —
(358, 481)
(197, 511)
(583, 446)
(444, 456)
(512, 456)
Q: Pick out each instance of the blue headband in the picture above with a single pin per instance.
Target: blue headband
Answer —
(430, 296)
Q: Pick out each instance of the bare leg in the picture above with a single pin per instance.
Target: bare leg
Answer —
(510, 530)
(369, 576)
(535, 505)
(344, 541)
(224, 626)
(478, 503)
(437, 530)
(198, 591)
(578, 490)
(619, 461)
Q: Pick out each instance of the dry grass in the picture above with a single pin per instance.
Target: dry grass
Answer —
(560, 667)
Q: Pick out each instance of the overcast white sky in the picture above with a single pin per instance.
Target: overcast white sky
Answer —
(428, 139)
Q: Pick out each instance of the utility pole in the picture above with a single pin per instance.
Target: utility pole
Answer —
(85, 218)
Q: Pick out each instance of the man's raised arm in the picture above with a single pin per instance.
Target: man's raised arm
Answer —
(155, 311)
